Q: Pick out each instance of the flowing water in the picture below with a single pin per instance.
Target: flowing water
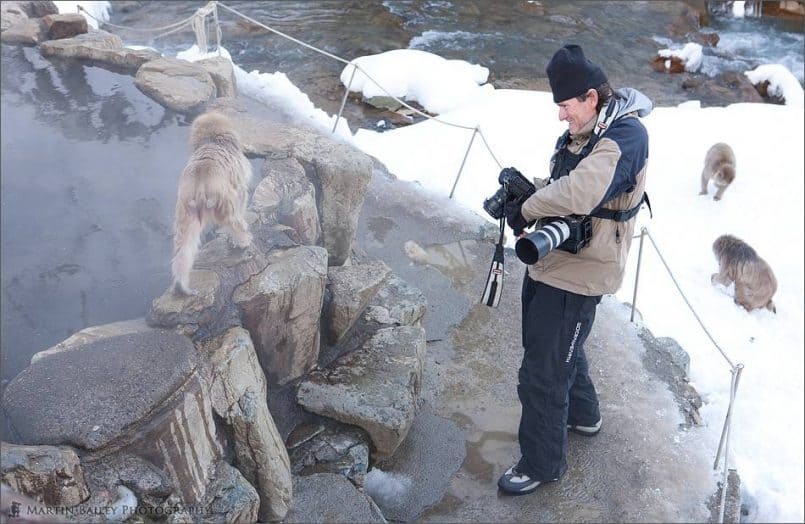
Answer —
(86, 227)
(514, 39)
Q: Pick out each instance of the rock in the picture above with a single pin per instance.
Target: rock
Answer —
(705, 39)
(326, 497)
(101, 47)
(149, 484)
(383, 102)
(337, 448)
(230, 497)
(28, 31)
(92, 333)
(671, 64)
(209, 312)
(110, 396)
(188, 312)
(176, 84)
(30, 510)
(48, 474)
(222, 74)
(340, 172)
(65, 25)
(397, 303)
(37, 9)
(238, 396)
(375, 387)
(286, 189)
(11, 13)
(350, 288)
(281, 308)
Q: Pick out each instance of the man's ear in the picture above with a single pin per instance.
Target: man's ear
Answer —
(592, 96)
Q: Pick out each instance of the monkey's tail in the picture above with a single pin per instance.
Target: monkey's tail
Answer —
(186, 240)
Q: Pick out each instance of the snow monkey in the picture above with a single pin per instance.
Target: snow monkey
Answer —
(754, 280)
(719, 165)
(213, 188)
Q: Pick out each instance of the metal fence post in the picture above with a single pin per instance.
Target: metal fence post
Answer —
(463, 161)
(344, 100)
(637, 273)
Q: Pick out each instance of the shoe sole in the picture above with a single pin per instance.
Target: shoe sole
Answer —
(584, 433)
(505, 491)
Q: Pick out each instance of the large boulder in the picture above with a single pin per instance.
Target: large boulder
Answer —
(239, 397)
(350, 289)
(375, 387)
(230, 497)
(10, 14)
(65, 25)
(222, 74)
(100, 47)
(79, 339)
(176, 84)
(143, 393)
(340, 173)
(28, 31)
(291, 197)
(397, 304)
(48, 474)
(281, 308)
(209, 311)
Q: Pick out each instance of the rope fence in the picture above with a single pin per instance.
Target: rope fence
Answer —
(198, 23)
(735, 369)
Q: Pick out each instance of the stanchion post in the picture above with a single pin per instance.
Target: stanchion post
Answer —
(736, 375)
(217, 27)
(637, 273)
(463, 161)
(344, 100)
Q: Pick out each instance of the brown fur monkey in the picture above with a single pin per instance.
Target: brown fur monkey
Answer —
(719, 165)
(213, 188)
(755, 283)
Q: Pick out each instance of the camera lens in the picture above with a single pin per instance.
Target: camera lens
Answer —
(536, 245)
(494, 205)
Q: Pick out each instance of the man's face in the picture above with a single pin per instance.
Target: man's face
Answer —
(578, 113)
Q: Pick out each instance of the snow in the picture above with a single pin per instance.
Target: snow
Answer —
(439, 85)
(690, 55)
(782, 83)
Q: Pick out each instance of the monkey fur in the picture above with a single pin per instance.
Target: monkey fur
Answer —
(755, 283)
(213, 189)
(719, 166)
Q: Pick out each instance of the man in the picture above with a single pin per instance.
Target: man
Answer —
(598, 169)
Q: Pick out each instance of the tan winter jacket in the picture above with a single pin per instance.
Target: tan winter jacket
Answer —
(618, 161)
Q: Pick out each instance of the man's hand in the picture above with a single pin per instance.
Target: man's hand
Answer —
(514, 218)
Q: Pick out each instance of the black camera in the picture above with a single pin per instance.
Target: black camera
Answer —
(514, 187)
(569, 233)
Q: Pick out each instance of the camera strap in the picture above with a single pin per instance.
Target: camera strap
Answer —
(494, 281)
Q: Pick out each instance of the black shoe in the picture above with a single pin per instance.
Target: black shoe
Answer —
(587, 431)
(514, 482)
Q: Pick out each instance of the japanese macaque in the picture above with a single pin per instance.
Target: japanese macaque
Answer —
(213, 189)
(719, 166)
(755, 283)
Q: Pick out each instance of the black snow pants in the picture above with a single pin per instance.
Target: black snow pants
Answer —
(554, 382)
